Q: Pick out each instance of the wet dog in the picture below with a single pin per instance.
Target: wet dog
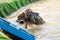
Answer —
(30, 17)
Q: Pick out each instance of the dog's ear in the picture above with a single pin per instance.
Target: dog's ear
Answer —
(27, 10)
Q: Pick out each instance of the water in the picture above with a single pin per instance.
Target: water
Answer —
(49, 10)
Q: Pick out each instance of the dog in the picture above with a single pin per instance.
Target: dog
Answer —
(30, 17)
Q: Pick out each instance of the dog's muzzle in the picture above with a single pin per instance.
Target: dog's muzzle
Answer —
(20, 21)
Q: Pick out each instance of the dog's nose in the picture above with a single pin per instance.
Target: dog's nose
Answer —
(22, 22)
